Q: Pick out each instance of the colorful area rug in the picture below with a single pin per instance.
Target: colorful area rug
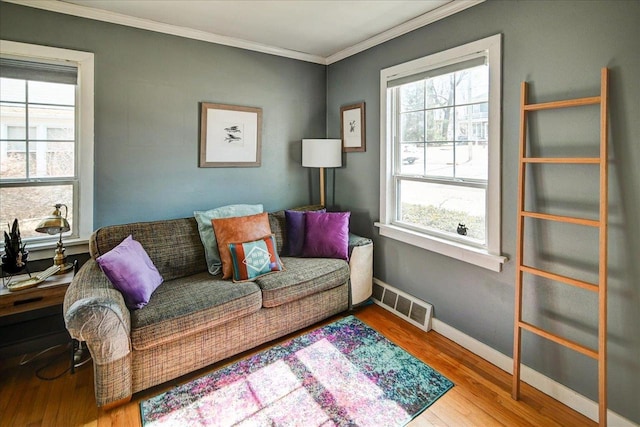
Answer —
(343, 374)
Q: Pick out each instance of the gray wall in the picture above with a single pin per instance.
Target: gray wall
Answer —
(560, 48)
(147, 94)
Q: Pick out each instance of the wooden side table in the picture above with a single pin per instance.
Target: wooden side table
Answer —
(48, 293)
(31, 319)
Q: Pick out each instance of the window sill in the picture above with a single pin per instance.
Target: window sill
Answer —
(44, 250)
(459, 251)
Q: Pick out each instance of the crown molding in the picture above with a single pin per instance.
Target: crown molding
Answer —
(413, 24)
(146, 24)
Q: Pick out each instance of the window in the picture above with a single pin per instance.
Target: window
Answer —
(440, 153)
(46, 139)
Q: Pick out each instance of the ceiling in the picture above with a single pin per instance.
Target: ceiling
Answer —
(310, 30)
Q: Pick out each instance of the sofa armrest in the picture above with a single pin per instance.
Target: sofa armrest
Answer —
(361, 266)
(95, 312)
(357, 241)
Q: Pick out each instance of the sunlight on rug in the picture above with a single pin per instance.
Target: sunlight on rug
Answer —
(343, 374)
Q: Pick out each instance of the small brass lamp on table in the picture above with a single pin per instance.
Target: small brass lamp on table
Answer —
(54, 224)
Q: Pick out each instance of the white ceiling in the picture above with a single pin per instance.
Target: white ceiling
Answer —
(311, 30)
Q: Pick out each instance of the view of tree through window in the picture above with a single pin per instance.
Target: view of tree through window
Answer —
(442, 153)
(37, 167)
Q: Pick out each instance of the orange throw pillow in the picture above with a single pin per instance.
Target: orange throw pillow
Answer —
(238, 229)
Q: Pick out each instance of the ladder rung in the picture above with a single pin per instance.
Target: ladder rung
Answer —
(569, 219)
(559, 278)
(565, 160)
(563, 104)
(560, 340)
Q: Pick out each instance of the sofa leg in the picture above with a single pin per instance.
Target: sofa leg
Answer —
(111, 405)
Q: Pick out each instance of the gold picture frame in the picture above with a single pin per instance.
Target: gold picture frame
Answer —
(230, 136)
(352, 128)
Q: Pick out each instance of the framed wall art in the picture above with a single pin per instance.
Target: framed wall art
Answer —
(352, 128)
(230, 136)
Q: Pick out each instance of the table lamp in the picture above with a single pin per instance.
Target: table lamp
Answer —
(321, 153)
(54, 224)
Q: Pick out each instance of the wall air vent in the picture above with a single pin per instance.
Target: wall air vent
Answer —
(408, 307)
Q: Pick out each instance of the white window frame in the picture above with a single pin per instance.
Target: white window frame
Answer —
(83, 198)
(489, 257)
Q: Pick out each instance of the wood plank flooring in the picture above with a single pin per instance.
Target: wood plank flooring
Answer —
(481, 396)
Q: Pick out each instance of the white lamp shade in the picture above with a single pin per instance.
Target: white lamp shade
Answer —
(321, 153)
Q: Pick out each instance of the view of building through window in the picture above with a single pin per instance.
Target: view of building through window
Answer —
(441, 152)
(38, 166)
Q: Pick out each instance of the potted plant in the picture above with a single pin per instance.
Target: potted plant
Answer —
(14, 259)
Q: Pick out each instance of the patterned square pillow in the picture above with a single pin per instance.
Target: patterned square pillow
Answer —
(238, 229)
(254, 259)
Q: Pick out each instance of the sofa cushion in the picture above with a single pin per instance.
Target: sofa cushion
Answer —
(189, 305)
(277, 224)
(303, 277)
(173, 245)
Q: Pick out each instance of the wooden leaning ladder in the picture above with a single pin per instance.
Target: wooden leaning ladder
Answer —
(601, 288)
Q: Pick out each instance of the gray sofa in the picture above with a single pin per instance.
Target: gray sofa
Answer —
(193, 319)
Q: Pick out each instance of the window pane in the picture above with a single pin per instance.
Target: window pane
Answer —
(440, 91)
(14, 118)
(471, 160)
(51, 159)
(412, 127)
(57, 122)
(412, 96)
(32, 204)
(17, 132)
(12, 90)
(412, 159)
(64, 133)
(471, 143)
(52, 93)
(442, 207)
(440, 160)
(13, 163)
(472, 85)
(471, 122)
(440, 124)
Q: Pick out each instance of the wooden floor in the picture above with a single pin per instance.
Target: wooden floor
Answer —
(481, 396)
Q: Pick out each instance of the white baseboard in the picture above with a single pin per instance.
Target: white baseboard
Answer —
(561, 393)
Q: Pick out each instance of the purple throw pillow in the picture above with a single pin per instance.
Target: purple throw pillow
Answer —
(131, 271)
(327, 235)
(295, 229)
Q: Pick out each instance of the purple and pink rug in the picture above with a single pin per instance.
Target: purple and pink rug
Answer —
(343, 374)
